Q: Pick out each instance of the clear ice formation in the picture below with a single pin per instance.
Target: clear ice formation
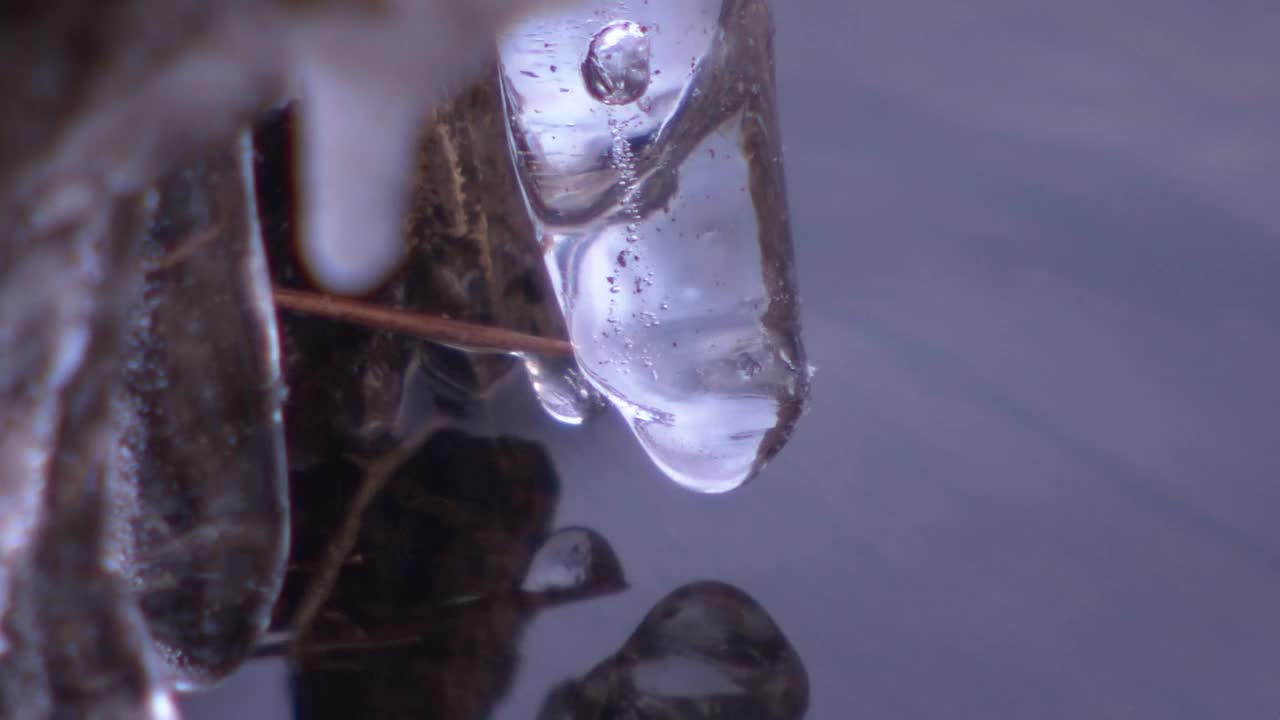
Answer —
(646, 142)
(561, 388)
(200, 516)
(73, 643)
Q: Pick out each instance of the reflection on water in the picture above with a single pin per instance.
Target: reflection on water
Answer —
(707, 651)
(453, 558)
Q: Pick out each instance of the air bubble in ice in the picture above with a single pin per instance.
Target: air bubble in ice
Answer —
(616, 70)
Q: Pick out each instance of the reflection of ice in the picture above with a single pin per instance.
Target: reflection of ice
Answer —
(574, 560)
(707, 651)
(664, 226)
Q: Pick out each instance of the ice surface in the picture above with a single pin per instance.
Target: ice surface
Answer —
(664, 223)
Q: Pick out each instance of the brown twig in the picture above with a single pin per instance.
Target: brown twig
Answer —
(430, 327)
(376, 475)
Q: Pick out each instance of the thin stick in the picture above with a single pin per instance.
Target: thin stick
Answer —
(376, 475)
(430, 327)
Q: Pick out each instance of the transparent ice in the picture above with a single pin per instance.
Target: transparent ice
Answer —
(561, 388)
(646, 143)
(199, 521)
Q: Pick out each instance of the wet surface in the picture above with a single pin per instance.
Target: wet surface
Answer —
(1038, 251)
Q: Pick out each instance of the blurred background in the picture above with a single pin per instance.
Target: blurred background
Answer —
(1038, 247)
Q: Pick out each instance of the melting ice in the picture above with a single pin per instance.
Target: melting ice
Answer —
(646, 142)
